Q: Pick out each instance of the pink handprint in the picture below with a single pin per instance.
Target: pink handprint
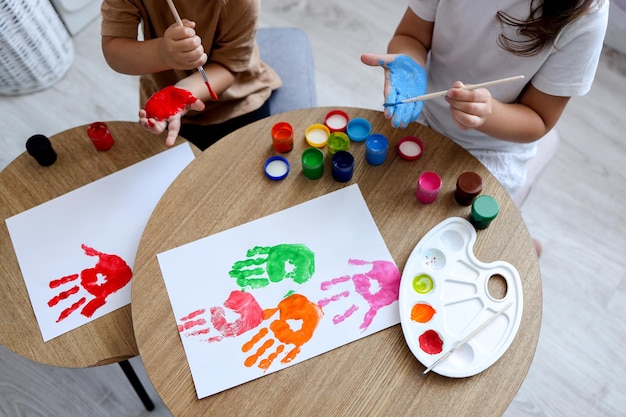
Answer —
(292, 309)
(387, 277)
(110, 274)
(243, 303)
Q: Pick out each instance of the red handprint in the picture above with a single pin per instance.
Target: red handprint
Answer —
(110, 274)
(296, 308)
(243, 303)
(383, 273)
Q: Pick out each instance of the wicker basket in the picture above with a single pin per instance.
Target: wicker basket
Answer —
(35, 48)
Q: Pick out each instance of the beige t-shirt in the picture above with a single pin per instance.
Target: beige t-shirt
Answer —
(227, 29)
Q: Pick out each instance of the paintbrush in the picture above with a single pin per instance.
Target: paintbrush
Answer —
(465, 340)
(444, 92)
(200, 68)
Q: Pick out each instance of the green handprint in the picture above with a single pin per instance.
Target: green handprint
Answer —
(285, 261)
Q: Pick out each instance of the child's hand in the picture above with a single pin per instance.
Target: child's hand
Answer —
(181, 48)
(404, 78)
(164, 110)
(469, 108)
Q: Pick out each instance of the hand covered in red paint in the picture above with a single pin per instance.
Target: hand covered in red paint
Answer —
(469, 108)
(241, 304)
(181, 48)
(164, 110)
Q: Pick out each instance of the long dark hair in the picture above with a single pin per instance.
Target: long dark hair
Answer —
(540, 29)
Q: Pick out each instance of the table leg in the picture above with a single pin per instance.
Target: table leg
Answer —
(136, 383)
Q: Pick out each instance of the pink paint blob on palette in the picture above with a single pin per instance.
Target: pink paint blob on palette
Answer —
(445, 294)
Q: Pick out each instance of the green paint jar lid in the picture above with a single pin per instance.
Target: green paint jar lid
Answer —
(484, 209)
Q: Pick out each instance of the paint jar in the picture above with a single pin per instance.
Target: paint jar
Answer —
(316, 135)
(484, 210)
(336, 121)
(100, 136)
(282, 137)
(40, 148)
(468, 186)
(343, 166)
(410, 148)
(376, 147)
(276, 168)
(428, 187)
(358, 129)
(312, 163)
(338, 141)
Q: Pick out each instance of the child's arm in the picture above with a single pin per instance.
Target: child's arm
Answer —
(412, 37)
(179, 48)
(528, 119)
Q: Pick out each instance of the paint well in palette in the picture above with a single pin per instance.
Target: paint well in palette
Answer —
(422, 313)
(423, 284)
(430, 342)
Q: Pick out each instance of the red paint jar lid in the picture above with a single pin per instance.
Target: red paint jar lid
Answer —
(336, 121)
(410, 148)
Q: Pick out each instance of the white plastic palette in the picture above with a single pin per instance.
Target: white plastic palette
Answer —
(444, 296)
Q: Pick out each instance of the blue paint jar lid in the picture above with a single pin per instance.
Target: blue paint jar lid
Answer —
(358, 129)
(276, 168)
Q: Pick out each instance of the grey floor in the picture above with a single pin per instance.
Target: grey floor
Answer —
(576, 210)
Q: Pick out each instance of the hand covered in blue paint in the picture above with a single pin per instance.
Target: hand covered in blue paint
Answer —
(404, 78)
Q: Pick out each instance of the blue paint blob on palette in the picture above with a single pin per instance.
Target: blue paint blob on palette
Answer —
(444, 296)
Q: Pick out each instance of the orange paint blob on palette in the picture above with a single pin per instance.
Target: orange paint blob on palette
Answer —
(422, 313)
(444, 297)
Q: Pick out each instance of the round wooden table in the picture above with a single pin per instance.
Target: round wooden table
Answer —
(25, 184)
(225, 187)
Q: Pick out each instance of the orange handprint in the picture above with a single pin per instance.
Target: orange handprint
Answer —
(295, 307)
(243, 303)
(110, 274)
(384, 275)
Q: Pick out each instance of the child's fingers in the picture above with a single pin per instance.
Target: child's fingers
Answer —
(197, 105)
(188, 23)
(376, 60)
(172, 131)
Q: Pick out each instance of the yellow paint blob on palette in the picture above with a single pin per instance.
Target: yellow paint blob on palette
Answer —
(446, 293)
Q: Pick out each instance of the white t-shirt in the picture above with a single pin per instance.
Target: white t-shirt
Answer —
(464, 47)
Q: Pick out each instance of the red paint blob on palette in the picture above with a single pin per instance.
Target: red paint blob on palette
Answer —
(430, 342)
(168, 102)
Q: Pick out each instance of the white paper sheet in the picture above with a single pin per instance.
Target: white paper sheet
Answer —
(89, 235)
(323, 264)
